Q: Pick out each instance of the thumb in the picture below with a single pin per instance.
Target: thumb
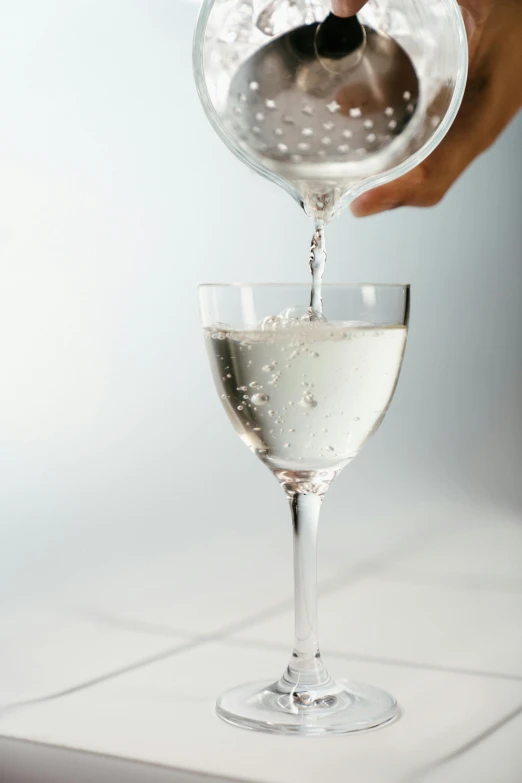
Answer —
(346, 8)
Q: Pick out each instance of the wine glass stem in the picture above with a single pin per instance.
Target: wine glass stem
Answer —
(306, 667)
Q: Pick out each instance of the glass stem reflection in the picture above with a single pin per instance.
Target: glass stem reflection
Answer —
(305, 670)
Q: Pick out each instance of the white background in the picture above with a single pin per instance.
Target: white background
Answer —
(116, 201)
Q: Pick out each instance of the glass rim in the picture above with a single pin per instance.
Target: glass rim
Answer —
(304, 285)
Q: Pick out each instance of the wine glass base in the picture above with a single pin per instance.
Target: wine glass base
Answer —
(334, 708)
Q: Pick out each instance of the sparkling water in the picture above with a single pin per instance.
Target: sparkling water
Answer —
(302, 393)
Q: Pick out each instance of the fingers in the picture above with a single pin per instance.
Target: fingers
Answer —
(346, 8)
(424, 186)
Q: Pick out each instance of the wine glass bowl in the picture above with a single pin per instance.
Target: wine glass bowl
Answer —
(304, 393)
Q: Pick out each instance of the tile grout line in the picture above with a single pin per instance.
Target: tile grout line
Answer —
(192, 643)
(343, 578)
(7, 708)
(253, 643)
(420, 774)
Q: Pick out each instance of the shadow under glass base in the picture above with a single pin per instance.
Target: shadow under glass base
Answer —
(333, 708)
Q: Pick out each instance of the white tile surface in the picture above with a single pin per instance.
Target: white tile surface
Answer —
(424, 624)
(43, 652)
(164, 713)
(244, 565)
(497, 757)
(484, 555)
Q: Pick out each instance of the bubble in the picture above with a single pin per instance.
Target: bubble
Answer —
(260, 398)
(308, 401)
(331, 448)
(240, 407)
(223, 396)
(228, 375)
(271, 413)
(246, 397)
(253, 384)
(291, 429)
(256, 429)
(269, 367)
(219, 336)
(298, 315)
(241, 388)
(286, 446)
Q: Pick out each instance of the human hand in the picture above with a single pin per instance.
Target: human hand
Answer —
(492, 98)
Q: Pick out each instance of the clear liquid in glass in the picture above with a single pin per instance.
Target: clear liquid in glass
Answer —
(304, 395)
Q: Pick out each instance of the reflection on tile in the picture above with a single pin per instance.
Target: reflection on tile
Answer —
(164, 714)
(43, 653)
(496, 756)
(427, 624)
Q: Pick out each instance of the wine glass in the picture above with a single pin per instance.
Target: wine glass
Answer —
(304, 392)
